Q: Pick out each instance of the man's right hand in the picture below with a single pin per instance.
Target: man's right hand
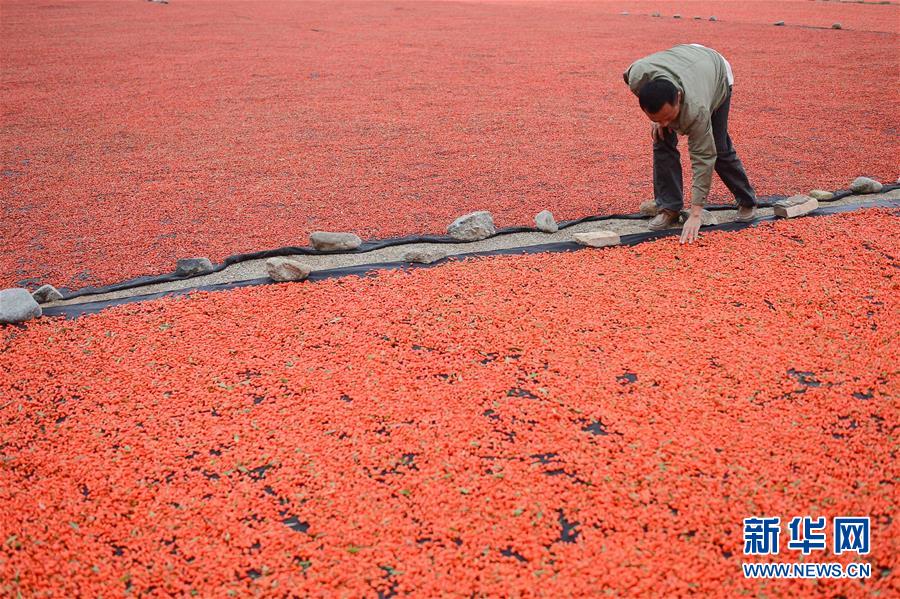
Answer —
(657, 133)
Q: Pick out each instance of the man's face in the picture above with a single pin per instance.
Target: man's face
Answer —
(668, 114)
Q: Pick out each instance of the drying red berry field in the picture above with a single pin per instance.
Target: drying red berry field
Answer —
(649, 420)
(584, 423)
(134, 133)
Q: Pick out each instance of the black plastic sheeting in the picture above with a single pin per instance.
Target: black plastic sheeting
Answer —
(383, 243)
(76, 310)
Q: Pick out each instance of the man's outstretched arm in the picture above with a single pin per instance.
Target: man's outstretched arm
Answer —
(702, 146)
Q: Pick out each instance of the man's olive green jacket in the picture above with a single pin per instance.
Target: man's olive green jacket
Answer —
(701, 75)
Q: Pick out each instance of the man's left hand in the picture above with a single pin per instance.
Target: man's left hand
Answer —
(691, 229)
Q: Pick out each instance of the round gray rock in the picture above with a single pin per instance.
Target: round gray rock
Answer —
(836, 26)
(706, 217)
(286, 269)
(821, 194)
(46, 293)
(545, 222)
(424, 256)
(865, 185)
(332, 242)
(472, 227)
(713, 19)
(17, 305)
(193, 266)
(649, 208)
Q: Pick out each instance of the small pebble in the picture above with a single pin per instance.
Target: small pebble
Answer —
(472, 227)
(423, 256)
(649, 208)
(597, 239)
(326, 241)
(821, 194)
(795, 206)
(193, 266)
(545, 222)
(46, 293)
(706, 217)
(287, 269)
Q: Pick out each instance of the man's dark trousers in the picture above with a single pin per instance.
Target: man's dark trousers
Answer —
(668, 186)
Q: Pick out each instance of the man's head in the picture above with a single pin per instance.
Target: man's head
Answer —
(661, 101)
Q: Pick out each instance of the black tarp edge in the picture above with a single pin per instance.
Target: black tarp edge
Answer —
(373, 245)
(76, 310)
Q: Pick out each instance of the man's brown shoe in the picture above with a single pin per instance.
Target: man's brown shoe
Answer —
(746, 214)
(664, 220)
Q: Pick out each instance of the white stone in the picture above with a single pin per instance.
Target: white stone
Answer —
(865, 185)
(423, 256)
(649, 208)
(545, 222)
(193, 266)
(287, 269)
(46, 293)
(17, 305)
(706, 217)
(472, 227)
(326, 241)
(821, 194)
(795, 206)
(597, 239)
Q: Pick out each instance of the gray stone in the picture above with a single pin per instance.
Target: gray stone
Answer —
(779, 23)
(836, 26)
(286, 269)
(472, 227)
(865, 185)
(193, 266)
(17, 305)
(713, 18)
(424, 256)
(649, 208)
(597, 239)
(795, 206)
(545, 222)
(46, 293)
(821, 194)
(706, 217)
(332, 242)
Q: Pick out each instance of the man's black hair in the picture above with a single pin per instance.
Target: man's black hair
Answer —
(656, 94)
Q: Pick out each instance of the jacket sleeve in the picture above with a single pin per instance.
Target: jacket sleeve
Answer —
(702, 147)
